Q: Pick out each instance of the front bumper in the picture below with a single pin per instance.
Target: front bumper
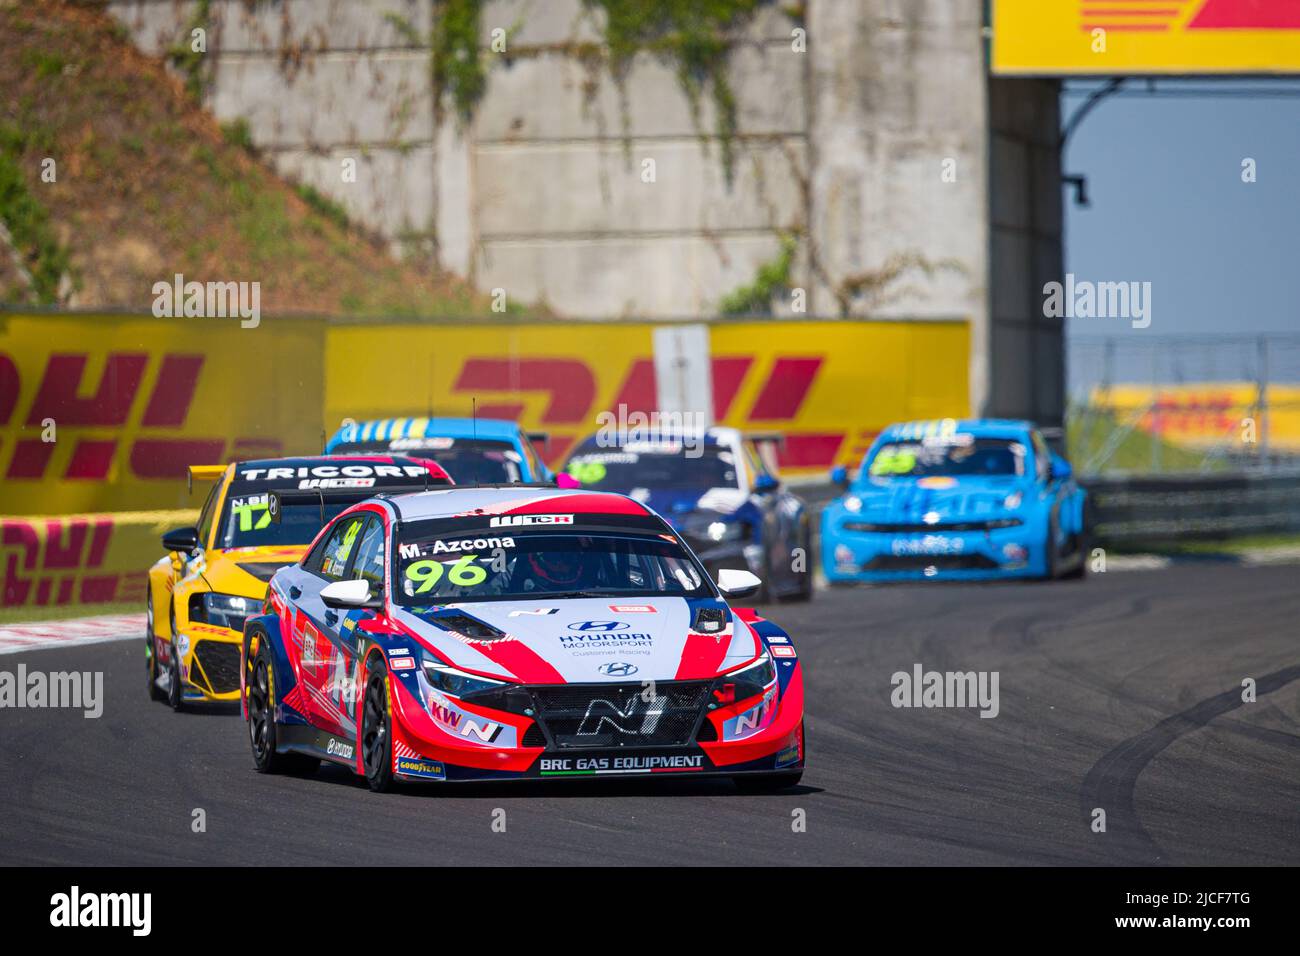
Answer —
(209, 662)
(849, 555)
(435, 742)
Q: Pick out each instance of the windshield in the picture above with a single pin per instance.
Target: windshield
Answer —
(246, 522)
(624, 469)
(467, 460)
(954, 456)
(441, 560)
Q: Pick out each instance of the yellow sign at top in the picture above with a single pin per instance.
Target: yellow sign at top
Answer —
(1124, 37)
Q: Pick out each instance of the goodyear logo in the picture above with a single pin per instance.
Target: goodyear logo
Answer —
(417, 767)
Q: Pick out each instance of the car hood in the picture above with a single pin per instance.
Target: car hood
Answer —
(951, 499)
(590, 640)
(247, 571)
(677, 504)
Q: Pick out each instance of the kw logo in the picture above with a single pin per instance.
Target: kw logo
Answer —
(458, 723)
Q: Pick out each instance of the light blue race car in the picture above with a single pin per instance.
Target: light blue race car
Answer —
(472, 451)
(959, 500)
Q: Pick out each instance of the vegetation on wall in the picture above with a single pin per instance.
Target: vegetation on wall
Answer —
(695, 36)
(773, 278)
(28, 222)
(458, 68)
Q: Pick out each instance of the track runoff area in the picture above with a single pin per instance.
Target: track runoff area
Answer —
(1135, 720)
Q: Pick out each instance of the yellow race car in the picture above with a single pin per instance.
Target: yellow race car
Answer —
(215, 575)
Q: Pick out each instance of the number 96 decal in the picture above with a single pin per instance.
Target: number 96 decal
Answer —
(462, 573)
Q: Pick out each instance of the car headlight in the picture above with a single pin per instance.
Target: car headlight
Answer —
(718, 531)
(1012, 501)
(745, 683)
(453, 682)
(222, 610)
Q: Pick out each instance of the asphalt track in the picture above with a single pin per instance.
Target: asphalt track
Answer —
(1121, 692)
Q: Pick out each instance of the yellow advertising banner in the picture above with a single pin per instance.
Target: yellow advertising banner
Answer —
(104, 412)
(1209, 414)
(1122, 37)
(828, 386)
(55, 560)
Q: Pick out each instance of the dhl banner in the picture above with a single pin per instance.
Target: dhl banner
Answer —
(103, 413)
(1119, 37)
(828, 386)
(81, 559)
(1209, 415)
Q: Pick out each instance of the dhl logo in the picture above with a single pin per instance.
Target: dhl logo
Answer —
(98, 410)
(1157, 16)
(571, 391)
(75, 560)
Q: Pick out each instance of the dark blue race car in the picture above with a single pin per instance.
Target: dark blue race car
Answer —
(956, 499)
(720, 493)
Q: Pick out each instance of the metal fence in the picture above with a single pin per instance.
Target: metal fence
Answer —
(1203, 404)
(1188, 507)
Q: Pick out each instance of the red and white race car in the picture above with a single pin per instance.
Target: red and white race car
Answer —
(513, 632)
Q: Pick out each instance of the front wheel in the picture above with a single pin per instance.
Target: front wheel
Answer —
(175, 694)
(805, 591)
(376, 733)
(150, 651)
(261, 722)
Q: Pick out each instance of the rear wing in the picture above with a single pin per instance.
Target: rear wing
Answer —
(203, 473)
(276, 500)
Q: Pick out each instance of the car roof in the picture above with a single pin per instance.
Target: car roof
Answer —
(385, 429)
(990, 427)
(511, 499)
(716, 436)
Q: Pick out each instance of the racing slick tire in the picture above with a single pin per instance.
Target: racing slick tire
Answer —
(1084, 545)
(376, 732)
(261, 723)
(805, 592)
(1049, 552)
(175, 695)
(150, 658)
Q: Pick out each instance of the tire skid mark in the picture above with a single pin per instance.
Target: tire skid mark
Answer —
(1111, 782)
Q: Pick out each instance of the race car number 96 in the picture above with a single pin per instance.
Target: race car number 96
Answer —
(464, 573)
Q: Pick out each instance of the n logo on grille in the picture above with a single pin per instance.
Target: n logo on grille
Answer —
(638, 717)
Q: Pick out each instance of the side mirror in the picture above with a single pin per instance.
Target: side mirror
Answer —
(1061, 469)
(734, 583)
(348, 595)
(765, 483)
(183, 540)
(840, 476)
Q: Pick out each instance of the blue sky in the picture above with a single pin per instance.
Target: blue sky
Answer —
(1169, 207)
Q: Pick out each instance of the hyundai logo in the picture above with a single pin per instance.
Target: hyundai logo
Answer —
(617, 669)
(599, 626)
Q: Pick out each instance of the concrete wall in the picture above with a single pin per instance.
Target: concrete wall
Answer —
(541, 194)
(1026, 348)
